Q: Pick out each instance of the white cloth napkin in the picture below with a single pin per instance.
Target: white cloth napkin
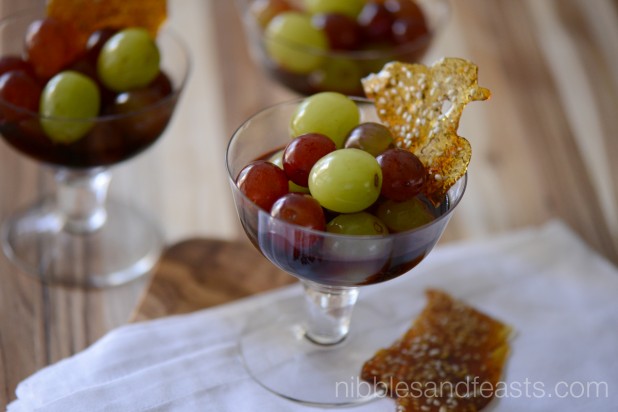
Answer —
(561, 298)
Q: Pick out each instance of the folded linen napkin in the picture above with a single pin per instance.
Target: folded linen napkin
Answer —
(560, 297)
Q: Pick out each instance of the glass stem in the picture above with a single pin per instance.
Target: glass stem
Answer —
(80, 198)
(329, 311)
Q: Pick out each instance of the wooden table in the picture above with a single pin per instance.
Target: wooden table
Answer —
(544, 147)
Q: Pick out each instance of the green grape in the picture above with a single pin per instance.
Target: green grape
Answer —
(277, 160)
(346, 180)
(294, 43)
(406, 215)
(128, 60)
(329, 113)
(361, 223)
(373, 254)
(68, 101)
(338, 73)
(370, 254)
(350, 8)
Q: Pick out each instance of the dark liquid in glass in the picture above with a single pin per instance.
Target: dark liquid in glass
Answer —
(109, 141)
(340, 260)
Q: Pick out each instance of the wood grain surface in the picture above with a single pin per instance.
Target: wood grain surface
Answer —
(544, 147)
(199, 273)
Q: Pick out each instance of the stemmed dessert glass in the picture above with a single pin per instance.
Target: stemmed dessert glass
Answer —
(300, 350)
(339, 69)
(77, 236)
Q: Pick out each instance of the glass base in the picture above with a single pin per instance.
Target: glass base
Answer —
(125, 247)
(278, 355)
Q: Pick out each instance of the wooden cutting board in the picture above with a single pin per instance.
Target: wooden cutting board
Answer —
(199, 273)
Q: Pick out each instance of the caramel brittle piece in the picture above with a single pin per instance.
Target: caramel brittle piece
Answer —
(450, 360)
(422, 107)
(88, 16)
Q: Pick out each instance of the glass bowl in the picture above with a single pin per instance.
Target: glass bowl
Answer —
(335, 70)
(77, 236)
(300, 348)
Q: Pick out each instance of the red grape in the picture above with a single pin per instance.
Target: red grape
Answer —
(50, 46)
(342, 31)
(299, 209)
(408, 30)
(370, 137)
(302, 153)
(162, 84)
(409, 24)
(263, 183)
(96, 41)
(18, 89)
(403, 174)
(142, 118)
(9, 63)
(404, 9)
(375, 21)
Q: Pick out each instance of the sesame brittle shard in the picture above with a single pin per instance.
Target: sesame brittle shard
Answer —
(422, 106)
(450, 360)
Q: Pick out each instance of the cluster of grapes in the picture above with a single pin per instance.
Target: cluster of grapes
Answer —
(312, 38)
(116, 72)
(339, 170)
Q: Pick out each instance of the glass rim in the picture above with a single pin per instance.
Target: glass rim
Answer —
(166, 30)
(453, 202)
